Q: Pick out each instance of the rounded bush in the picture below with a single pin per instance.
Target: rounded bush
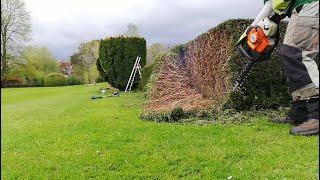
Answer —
(55, 79)
(72, 80)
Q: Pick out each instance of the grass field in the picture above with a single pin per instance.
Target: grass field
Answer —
(60, 133)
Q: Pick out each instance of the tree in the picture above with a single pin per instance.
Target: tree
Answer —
(35, 63)
(40, 59)
(132, 30)
(15, 30)
(78, 66)
(154, 50)
(84, 61)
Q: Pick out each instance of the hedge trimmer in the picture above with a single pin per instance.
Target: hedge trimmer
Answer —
(257, 45)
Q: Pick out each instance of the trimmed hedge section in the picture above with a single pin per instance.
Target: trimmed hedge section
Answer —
(117, 56)
(55, 79)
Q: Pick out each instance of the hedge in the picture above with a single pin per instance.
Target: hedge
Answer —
(102, 75)
(145, 75)
(55, 79)
(72, 80)
(117, 56)
(198, 76)
(14, 81)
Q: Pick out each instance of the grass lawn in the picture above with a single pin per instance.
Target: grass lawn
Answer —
(60, 133)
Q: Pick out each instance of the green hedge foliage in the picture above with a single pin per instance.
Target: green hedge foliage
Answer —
(266, 86)
(20, 81)
(55, 79)
(14, 81)
(145, 75)
(101, 77)
(117, 56)
(72, 80)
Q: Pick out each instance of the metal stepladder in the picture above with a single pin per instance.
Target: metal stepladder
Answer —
(136, 67)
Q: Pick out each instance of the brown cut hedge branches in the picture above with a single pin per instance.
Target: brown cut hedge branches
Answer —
(173, 89)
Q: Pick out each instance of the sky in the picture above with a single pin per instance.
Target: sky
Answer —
(61, 25)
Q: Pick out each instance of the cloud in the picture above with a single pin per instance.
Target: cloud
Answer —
(62, 25)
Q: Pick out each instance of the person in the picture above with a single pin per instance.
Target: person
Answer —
(299, 49)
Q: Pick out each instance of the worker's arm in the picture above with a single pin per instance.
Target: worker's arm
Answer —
(265, 12)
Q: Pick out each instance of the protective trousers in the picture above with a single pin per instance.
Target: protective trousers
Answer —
(300, 48)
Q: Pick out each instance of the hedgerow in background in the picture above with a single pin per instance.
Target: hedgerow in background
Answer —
(15, 81)
(30, 69)
(117, 56)
(198, 76)
(72, 80)
(55, 79)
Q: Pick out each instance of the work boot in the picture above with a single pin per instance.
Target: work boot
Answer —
(298, 114)
(311, 127)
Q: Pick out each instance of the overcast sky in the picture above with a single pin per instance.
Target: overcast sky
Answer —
(62, 25)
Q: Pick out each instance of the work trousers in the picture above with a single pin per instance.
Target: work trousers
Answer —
(299, 50)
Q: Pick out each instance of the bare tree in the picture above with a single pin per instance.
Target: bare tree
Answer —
(15, 30)
(132, 30)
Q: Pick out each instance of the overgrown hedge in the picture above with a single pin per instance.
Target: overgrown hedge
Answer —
(55, 79)
(117, 56)
(21, 81)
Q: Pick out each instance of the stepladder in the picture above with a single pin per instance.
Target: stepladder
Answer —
(136, 68)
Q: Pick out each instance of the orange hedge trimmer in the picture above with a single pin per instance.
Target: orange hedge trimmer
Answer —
(257, 45)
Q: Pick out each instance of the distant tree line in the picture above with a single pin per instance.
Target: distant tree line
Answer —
(23, 65)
